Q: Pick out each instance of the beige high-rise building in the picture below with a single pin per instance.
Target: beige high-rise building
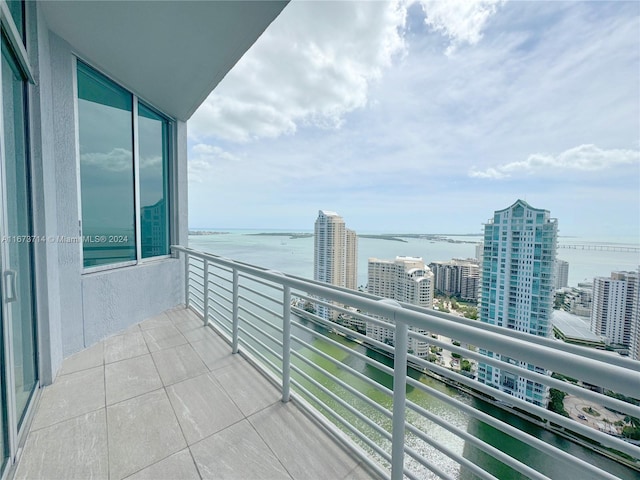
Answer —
(335, 255)
(351, 260)
(615, 313)
(405, 279)
(562, 273)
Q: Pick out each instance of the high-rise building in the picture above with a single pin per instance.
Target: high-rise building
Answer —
(405, 279)
(615, 312)
(578, 300)
(457, 277)
(335, 255)
(479, 252)
(517, 289)
(351, 260)
(562, 274)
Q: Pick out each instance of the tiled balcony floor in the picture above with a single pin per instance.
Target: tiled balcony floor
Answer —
(167, 400)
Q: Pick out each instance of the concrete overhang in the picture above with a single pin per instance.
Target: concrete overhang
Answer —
(170, 53)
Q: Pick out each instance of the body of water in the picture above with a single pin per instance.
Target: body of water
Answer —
(295, 256)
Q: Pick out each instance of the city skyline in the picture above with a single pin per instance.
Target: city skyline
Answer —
(410, 121)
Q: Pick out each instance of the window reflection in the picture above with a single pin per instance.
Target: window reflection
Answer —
(153, 135)
(106, 169)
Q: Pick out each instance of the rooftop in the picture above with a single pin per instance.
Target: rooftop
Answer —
(167, 399)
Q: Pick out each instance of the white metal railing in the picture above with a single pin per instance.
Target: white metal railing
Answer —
(253, 308)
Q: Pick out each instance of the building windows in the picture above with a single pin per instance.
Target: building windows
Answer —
(124, 192)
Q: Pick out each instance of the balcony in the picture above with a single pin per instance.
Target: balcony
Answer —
(173, 396)
(167, 399)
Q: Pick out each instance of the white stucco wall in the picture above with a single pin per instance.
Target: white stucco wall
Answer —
(75, 309)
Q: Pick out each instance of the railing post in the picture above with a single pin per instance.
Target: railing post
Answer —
(399, 396)
(235, 319)
(186, 279)
(286, 344)
(205, 286)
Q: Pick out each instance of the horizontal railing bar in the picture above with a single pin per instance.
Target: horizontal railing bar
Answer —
(277, 341)
(338, 363)
(593, 371)
(220, 316)
(370, 423)
(215, 274)
(198, 302)
(567, 387)
(370, 342)
(196, 275)
(527, 337)
(369, 361)
(219, 286)
(260, 342)
(223, 329)
(260, 355)
(264, 309)
(221, 305)
(197, 266)
(384, 454)
(548, 342)
(361, 396)
(271, 284)
(428, 465)
(484, 446)
(272, 300)
(548, 415)
(261, 320)
(511, 431)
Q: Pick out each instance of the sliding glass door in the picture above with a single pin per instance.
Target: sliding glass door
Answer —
(19, 375)
(18, 249)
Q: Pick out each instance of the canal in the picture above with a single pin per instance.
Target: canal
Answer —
(547, 465)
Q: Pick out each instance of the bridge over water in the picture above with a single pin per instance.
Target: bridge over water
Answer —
(603, 248)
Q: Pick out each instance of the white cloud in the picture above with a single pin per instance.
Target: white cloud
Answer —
(204, 158)
(318, 61)
(460, 20)
(314, 64)
(585, 158)
(117, 160)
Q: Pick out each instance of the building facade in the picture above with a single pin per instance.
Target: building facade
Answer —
(457, 278)
(578, 300)
(335, 256)
(517, 289)
(562, 274)
(405, 279)
(93, 172)
(615, 312)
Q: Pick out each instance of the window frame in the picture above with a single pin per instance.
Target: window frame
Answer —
(170, 180)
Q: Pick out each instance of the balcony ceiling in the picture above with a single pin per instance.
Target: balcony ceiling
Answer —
(172, 54)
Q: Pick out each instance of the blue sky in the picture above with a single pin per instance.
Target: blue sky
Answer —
(413, 116)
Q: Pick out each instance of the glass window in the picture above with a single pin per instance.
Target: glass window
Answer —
(109, 180)
(16, 7)
(105, 117)
(153, 144)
